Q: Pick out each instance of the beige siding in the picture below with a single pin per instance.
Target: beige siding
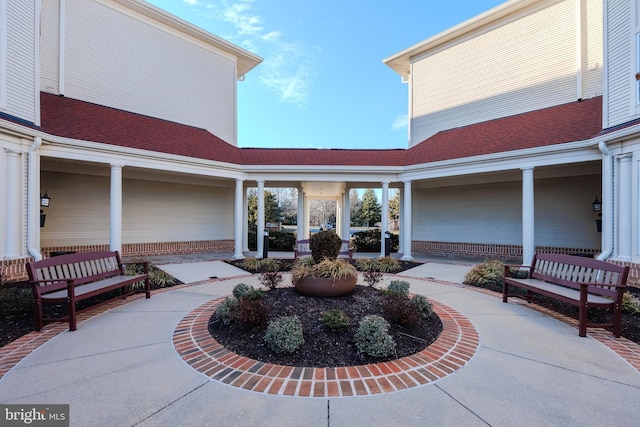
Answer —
(492, 213)
(116, 58)
(50, 46)
(525, 64)
(592, 60)
(21, 61)
(152, 211)
(619, 59)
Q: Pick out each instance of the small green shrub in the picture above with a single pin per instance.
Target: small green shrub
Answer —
(335, 319)
(372, 337)
(241, 289)
(398, 288)
(227, 311)
(253, 294)
(282, 241)
(370, 241)
(284, 335)
(630, 303)
(422, 306)
(160, 278)
(489, 274)
(325, 244)
(15, 301)
(388, 264)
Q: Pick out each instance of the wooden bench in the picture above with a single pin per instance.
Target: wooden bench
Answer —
(583, 282)
(302, 249)
(75, 277)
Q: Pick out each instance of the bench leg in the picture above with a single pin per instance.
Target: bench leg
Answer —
(505, 291)
(38, 314)
(72, 315)
(147, 287)
(617, 321)
(582, 315)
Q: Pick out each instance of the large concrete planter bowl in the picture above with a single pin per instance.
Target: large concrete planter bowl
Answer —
(325, 287)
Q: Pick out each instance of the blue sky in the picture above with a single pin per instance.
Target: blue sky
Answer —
(322, 83)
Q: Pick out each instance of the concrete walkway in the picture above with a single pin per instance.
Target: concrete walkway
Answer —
(120, 368)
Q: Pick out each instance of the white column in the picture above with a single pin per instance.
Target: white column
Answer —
(300, 215)
(12, 205)
(307, 217)
(115, 209)
(528, 216)
(245, 222)
(624, 225)
(400, 222)
(407, 222)
(384, 223)
(345, 232)
(238, 216)
(260, 224)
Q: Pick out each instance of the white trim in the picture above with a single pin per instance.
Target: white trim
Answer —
(3, 54)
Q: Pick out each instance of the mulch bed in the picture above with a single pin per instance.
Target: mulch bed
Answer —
(323, 347)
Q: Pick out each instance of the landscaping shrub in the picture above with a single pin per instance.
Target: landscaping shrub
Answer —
(422, 305)
(252, 309)
(335, 269)
(373, 269)
(388, 264)
(372, 337)
(269, 264)
(369, 241)
(241, 289)
(251, 264)
(630, 303)
(282, 241)
(335, 319)
(400, 310)
(399, 288)
(227, 311)
(325, 244)
(489, 274)
(284, 335)
(271, 279)
(15, 301)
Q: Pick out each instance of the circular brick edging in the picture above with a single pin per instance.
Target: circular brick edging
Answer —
(455, 346)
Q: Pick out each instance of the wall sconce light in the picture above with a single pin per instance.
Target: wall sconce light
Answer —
(45, 200)
(597, 205)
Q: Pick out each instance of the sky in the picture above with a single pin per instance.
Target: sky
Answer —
(322, 82)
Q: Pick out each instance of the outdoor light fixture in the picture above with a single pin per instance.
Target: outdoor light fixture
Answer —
(45, 200)
(597, 205)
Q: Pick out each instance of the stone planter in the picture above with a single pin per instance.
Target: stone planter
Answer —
(324, 287)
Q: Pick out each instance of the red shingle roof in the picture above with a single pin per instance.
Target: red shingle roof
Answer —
(75, 119)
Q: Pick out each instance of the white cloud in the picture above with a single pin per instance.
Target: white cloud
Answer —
(401, 122)
(287, 66)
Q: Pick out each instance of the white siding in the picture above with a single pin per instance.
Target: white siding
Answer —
(20, 85)
(116, 58)
(619, 64)
(492, 213)
(50, 46)
(523, 65)
(152, 211)
(593, 57)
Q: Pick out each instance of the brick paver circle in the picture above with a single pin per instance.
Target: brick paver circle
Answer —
(455, 346)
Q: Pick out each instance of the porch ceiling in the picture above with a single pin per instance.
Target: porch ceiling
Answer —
(323, 189)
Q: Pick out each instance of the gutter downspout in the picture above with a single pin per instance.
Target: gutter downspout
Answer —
(33, 194)
(607, 201)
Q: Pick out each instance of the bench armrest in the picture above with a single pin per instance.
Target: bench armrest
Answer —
(44, 286)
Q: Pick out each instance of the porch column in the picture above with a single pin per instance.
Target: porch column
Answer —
(406, 221)
(260, 223)
(400, 222)
(345, 232)
(528, 216)
(384, 223)
(238, 215)
(300, 215)
(115, 209)
(245, 223)
(13, 204)
(625, 211)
